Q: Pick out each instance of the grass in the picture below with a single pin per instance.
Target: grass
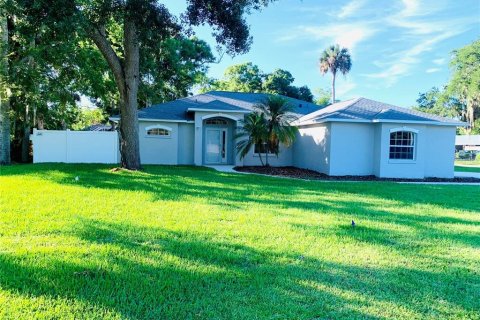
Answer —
(467, 168)
(192, 243)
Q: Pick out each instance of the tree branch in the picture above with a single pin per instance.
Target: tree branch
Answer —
(98, 35)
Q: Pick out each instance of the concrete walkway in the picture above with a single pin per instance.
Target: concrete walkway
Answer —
(223, 168)
(467, 174)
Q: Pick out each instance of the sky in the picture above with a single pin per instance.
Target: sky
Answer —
(399, 48)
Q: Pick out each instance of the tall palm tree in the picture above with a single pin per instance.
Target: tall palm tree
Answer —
(252, 131)
(278, 113)
(335, 59)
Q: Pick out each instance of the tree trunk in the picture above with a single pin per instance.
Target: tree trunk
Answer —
(26, 137)
(4, 93)
(130, 145)
(126, 74)
(333, 87)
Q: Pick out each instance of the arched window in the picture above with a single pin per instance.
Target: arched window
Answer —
(402, 145)
(216, 121)
(158, 131)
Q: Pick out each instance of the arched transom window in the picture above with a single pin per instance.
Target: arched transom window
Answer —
(402, 145)
(216, 121)
(158, 131)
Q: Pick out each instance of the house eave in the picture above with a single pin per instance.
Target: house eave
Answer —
(115, 119)
(433, 123)
(217, 111)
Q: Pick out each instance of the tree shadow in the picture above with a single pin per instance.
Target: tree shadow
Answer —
(151, 273)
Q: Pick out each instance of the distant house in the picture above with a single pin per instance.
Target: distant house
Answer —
(353, 137)
(467, 142)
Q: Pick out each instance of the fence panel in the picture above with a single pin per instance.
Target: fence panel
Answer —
(75, 146)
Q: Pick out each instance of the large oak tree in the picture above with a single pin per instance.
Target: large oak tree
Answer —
(143, 24)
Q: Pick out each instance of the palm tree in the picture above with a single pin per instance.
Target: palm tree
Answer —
(335, 59)
(278, 113)
(252, 131)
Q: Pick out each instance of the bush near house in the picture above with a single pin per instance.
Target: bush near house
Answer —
(86, 242)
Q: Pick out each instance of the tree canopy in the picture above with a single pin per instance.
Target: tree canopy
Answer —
(247, 77)
(460, 97)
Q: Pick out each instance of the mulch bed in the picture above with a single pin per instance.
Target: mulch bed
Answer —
(293, 172)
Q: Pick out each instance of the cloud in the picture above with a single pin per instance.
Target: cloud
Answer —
(439, 61)
(350, 8)
(344, 87)
(433, 70)
(402, 62)
(347, 35)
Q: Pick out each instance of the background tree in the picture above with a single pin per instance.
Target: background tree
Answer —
(465, 80)
(323, 97)
(335, 59)
(4, 92)
(244, 77)
(247, 77)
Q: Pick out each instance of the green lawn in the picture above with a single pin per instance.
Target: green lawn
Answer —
(192, 243)
(467, 168)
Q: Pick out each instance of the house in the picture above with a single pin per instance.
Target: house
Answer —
(354, 137)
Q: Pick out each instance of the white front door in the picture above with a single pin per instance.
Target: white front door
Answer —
(215, 146)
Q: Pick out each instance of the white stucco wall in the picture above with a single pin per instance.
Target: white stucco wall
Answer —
(158, 150)
(311, 149)
(439, 153)
(284, 158)
(186, 137)
(352, 149)
(410, 169)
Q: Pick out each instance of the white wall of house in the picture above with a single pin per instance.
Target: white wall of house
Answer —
(440, 152)
(311, 149)
(413, 169)
(158, 149)
(75, 146)
(186, 138)
(283, 159)
(351, 149)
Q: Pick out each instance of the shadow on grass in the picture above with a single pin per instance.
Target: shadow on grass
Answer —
(378, 201)
(152, 273)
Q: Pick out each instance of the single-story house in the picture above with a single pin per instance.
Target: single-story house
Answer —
(353, 137)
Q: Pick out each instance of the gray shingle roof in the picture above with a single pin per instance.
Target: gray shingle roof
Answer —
(366, 110)
(177, 110)
(356, 110)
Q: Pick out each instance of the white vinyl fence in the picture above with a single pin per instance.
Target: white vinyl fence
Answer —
(75, 146)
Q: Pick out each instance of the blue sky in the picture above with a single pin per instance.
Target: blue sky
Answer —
(399, 47)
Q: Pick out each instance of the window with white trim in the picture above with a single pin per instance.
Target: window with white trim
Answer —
(158, 132)
(402, 145)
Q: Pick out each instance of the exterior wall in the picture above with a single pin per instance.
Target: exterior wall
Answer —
(75, 146)
(186, 137)
(311, 149)
(352, 149)
(440, 152)
(409, 169)
(158, 150)
(285, 158)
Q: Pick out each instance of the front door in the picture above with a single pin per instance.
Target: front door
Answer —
(215, 146)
